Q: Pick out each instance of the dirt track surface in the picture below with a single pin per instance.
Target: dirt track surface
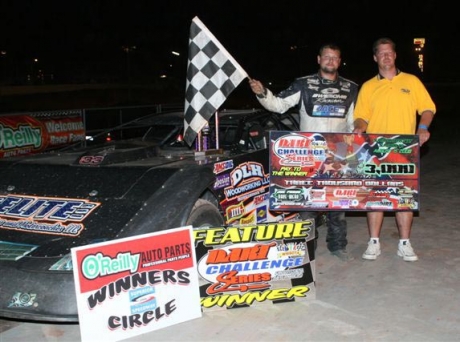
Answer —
(383, 300)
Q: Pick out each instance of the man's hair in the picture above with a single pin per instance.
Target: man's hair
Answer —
(381, 41)
(331, 46)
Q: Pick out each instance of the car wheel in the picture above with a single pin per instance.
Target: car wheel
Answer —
(205, 214)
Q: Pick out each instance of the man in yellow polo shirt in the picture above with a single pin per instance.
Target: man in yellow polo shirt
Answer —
(388, 104)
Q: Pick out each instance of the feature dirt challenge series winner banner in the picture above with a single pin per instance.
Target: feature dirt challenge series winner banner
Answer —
(343, 171)
(244, 266)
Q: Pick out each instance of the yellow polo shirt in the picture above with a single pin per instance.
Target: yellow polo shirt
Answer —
(389, 107)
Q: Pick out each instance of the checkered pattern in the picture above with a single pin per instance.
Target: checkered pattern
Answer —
(212, 74)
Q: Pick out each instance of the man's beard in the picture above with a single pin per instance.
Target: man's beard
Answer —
(329, 70)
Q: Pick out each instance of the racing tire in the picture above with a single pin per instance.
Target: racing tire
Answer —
(205, 214)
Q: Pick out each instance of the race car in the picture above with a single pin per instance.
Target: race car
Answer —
(137, 178)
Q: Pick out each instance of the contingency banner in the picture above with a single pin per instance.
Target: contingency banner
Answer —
(242, 266)
(131, 286)
(38, 131)
(343, 171)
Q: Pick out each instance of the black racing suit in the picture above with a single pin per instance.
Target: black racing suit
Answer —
(324, 106)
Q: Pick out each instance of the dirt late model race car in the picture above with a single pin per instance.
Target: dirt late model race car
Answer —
(144, 179)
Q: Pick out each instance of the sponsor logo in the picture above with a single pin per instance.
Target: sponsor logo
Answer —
(223, 166)
(22, 300)
(45, 215)
(222, 181)
(298, 150)
(347, 193)
(246, 179)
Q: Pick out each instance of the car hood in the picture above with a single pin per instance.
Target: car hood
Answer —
(56, 201)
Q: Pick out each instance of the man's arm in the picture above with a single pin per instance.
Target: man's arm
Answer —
(422, 129)
(425, 119)
(274, 103)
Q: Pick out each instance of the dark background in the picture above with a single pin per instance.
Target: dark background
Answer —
(86, 40)
(122, 48)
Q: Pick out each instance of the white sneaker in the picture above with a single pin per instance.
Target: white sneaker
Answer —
(372, 251)
(407, 252)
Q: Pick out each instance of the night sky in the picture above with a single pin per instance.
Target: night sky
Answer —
(83, 40)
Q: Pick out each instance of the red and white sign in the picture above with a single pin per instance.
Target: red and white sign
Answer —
(128, 287)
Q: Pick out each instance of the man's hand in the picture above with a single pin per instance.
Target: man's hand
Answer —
(360, 126)
(423, 135)
(256, 86)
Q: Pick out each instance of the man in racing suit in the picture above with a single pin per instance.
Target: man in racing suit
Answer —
(326, 102)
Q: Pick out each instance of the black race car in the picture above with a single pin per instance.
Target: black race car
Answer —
(137, 178)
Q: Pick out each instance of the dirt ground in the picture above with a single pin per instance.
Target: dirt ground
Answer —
(383, 300)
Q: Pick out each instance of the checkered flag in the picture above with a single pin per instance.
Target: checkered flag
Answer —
(212, 74)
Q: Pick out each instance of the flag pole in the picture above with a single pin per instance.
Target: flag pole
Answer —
(217, 129)
(198, 145)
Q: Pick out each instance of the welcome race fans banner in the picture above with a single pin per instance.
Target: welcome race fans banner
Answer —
(343, 171)
(38, 131)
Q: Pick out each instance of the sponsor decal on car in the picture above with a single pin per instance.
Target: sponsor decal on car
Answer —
(22, 300)
(44, 215)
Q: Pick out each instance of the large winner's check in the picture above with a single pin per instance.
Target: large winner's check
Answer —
(343, 171)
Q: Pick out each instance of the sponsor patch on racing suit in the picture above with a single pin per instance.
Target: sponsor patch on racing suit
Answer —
(324, 105)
